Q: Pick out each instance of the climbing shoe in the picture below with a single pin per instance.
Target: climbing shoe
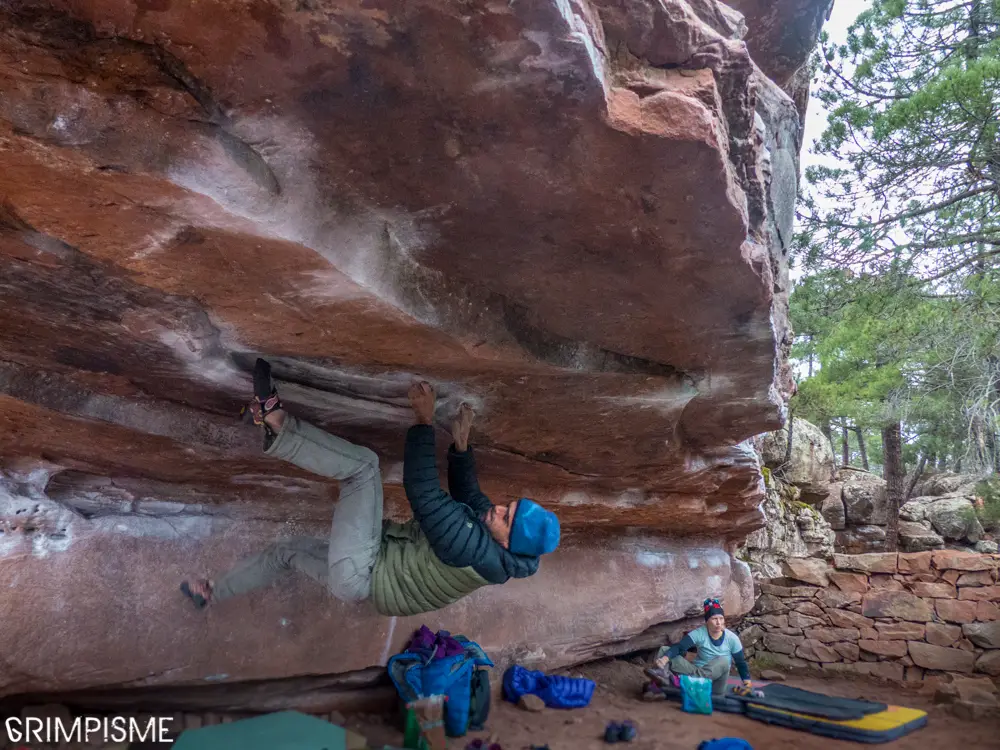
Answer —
(653, 692)
(480, 744)
(663, 677)
(627, 731)
(623, 732)
(265, 400)
(200, 602)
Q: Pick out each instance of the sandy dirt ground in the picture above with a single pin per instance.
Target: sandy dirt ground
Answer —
(663, 726)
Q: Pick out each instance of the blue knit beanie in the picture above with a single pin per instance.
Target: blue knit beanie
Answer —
(534, 531)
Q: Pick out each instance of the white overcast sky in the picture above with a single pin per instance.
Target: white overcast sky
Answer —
(844, 13)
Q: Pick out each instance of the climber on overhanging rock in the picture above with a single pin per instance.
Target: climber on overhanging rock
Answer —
(718, 648)
(453, 545)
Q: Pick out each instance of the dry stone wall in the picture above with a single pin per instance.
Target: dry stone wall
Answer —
(899, 617)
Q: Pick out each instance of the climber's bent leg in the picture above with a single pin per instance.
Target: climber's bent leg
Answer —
(303, 554)
(716, 670)
(356, 534)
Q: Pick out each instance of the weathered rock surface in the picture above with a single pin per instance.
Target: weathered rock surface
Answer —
(980, 594)
(940, 634)
(884, 648)
(813, 650)
(936, 657)
(876, 562)
(942, 514)
(531, 703)
(782, 33)
(798, 620)
(865, 500)
(833, 635)
(954, 518)
(918, 536)
(811, 466)
(808, 570)
(833, 509)
(859, 540)
(979, 578)
(945, 483)
(780, 644)
(916, 509)
(915, 563)
(961, 560)
(567, 214)
(843, 618)
(792, 531)
(939, 590)
(899, 631)
(987, 611)
(983, 634)
(900, 605)
(265, 633)
(958, 612)
(885, 581)
(989, 663)
(849, 581)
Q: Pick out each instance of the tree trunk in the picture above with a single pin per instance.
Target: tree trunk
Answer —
(845, 445)
(828, 432)
(894, 474)
(791, 429)
(861, 447)
(991, 448)
(916, 477)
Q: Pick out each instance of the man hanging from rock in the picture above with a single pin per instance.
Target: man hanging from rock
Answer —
(453, 545)
(717, 649)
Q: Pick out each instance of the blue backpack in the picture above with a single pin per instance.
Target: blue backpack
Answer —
(455, 677)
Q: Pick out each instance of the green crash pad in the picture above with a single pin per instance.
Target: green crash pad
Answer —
(287, 730)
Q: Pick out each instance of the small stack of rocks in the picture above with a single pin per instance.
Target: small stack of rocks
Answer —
(898, 617)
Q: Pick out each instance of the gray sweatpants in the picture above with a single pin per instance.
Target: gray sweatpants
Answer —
(343, 563)
(716, 670)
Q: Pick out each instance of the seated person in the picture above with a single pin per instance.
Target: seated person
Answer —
(717, 647)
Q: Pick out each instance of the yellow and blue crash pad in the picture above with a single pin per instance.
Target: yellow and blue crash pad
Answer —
(883, 726)
(824, 715)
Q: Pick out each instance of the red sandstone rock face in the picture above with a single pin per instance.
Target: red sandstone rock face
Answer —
(563, 213)
(782, 33)
(128, 624)
(477, 199)
(780, 36)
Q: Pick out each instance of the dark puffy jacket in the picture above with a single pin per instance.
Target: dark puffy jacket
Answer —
(446, 551)
(453, 523)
